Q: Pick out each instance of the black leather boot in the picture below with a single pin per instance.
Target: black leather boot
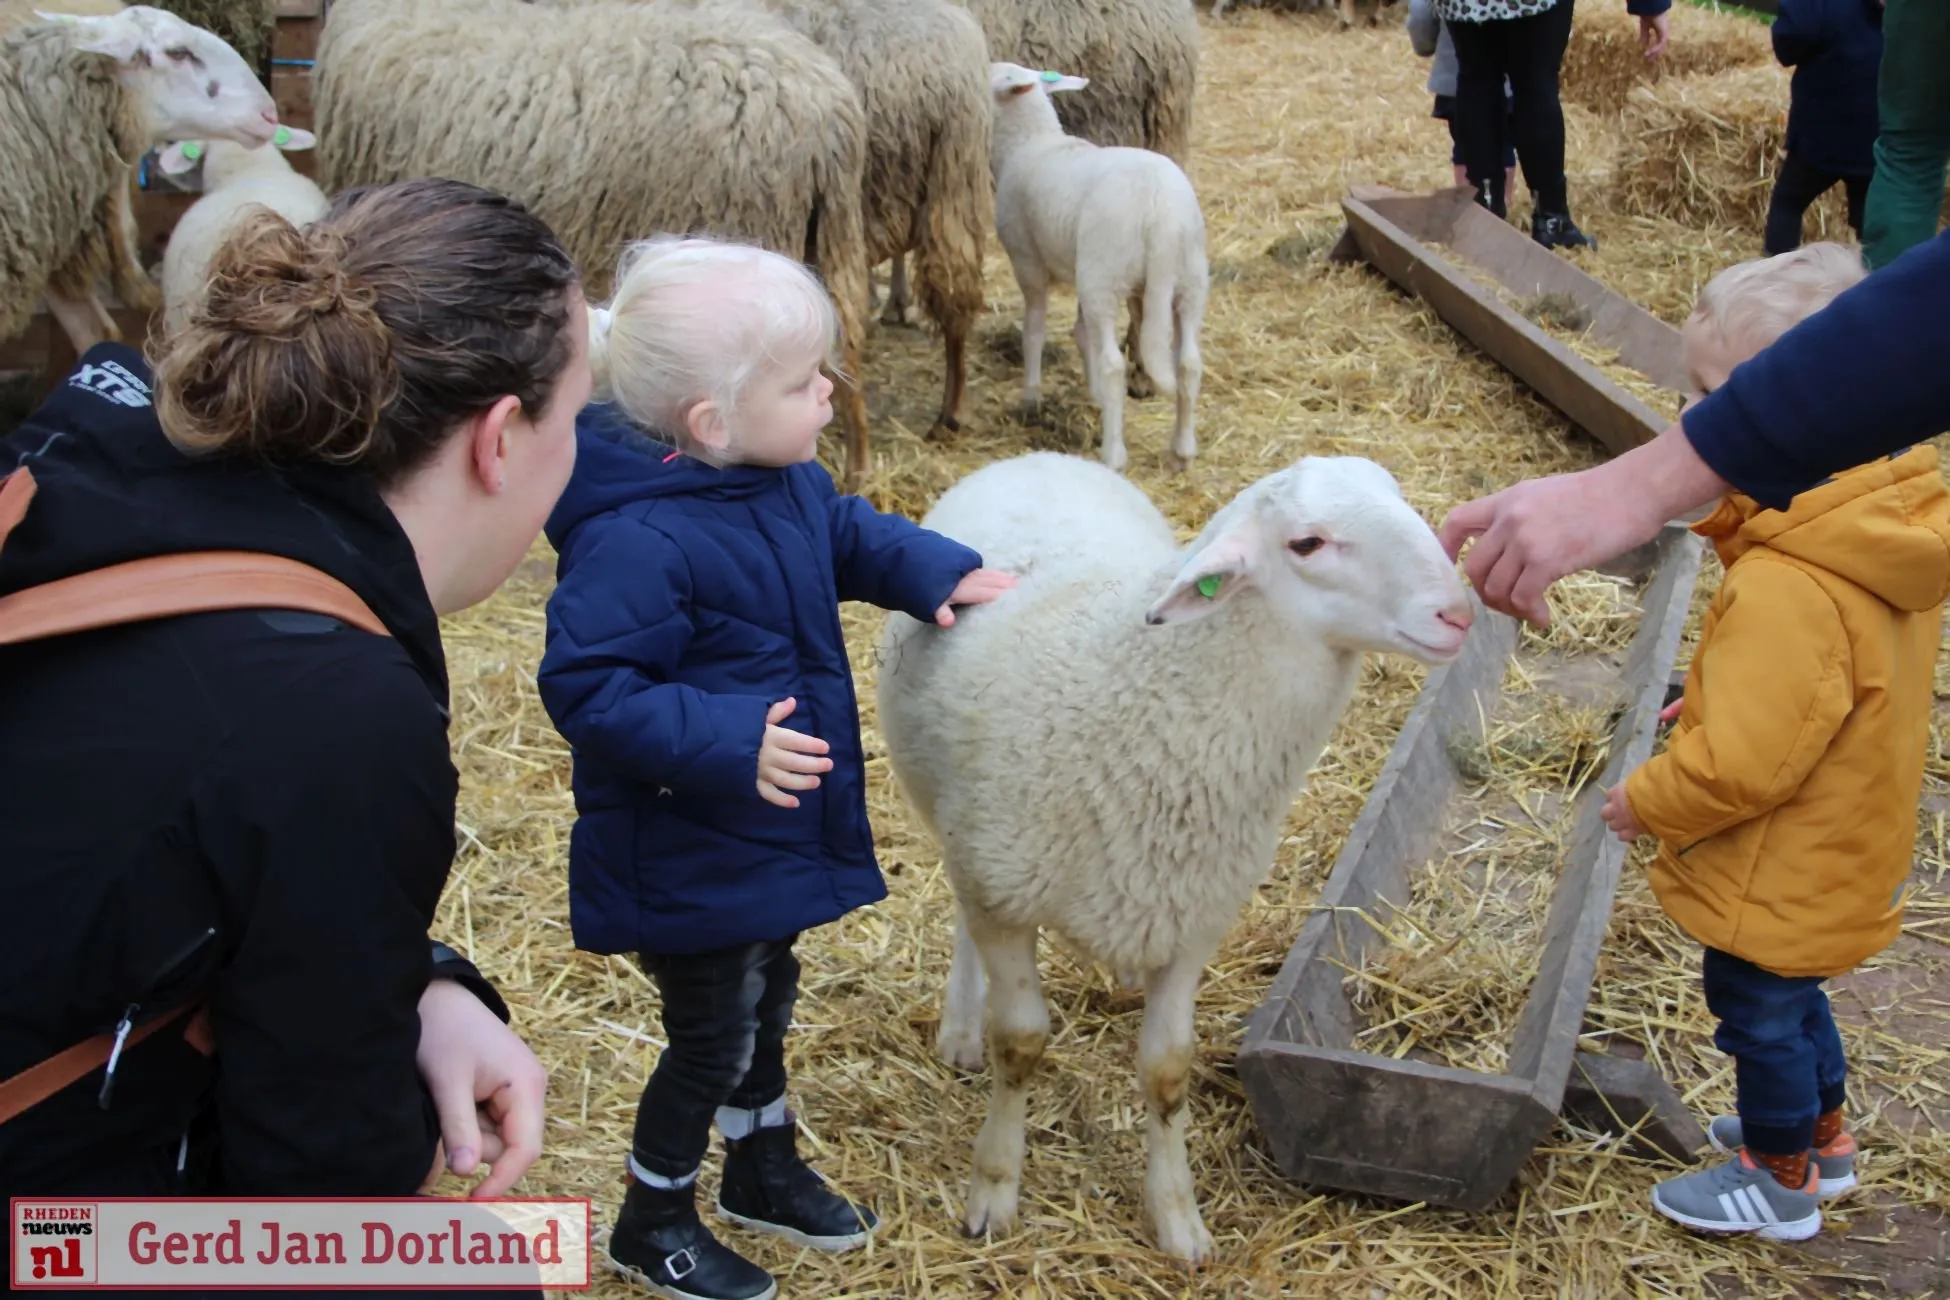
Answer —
(660, 1242)
(1557, 230)
(768, 1187)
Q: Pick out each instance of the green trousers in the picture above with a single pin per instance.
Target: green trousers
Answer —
(1913, 149)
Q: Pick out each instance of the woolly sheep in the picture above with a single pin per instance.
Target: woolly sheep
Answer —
(1118, 224)
(234, 179)
(82, 98)
(1109, 750)
(921, 69)
(613, 121)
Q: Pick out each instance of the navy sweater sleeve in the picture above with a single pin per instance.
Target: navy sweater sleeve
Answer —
(1866, 376)
(1798, 30)
(619, 623)
(893, 562)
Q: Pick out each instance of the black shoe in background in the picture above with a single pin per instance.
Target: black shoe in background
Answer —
(768, 1187)
(660, 1242)
(1555, 230)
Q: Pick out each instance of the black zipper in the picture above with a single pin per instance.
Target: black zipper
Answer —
(127, 1022)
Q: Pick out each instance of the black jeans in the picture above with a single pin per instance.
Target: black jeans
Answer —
(1528, 51)
(1788, 1067)
(1796, 189)
(725, 1014)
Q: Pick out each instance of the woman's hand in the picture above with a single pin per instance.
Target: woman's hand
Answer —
(1617, 813)
(1653, 33)
(788, 759)
(487, 1087)
(978, 587)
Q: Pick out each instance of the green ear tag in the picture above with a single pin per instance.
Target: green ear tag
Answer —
(282, 138)
(1209, 585)
(192, 150)
(1052, 76)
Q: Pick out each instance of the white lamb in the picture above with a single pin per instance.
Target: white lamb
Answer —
(1110, 749)
(1120, 224)
(234, 178)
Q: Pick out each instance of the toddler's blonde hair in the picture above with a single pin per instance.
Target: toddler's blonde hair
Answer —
(695, 319)
(1753, 303)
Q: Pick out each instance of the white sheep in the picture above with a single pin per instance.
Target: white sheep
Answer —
(1119, 224)
(1109, 750)
(82, 98)
(234, 179)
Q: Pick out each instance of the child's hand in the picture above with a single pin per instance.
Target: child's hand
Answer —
(1671, 711)
(1617, 813)
(977, 588)
(788, 760)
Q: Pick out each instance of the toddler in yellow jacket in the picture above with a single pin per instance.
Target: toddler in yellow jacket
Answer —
(1785, 800)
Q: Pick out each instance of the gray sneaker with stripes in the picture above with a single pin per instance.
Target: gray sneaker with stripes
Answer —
(1741, 1196)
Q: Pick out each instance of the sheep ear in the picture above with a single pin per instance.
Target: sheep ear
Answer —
(1055, 81)
(112, 35)
(290, 138)
(1214, 574)
(179, 157)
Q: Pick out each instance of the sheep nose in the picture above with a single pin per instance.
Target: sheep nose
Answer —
(270, 115)
(1459, 616)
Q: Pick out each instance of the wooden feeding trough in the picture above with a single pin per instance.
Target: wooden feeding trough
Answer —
(1404, 236)
(1340, 1117)
(1419, 1130)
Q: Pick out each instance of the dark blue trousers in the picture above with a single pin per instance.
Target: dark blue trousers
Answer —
(1787, 1054)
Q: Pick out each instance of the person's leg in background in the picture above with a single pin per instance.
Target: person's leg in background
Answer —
(1537, 45)
(1509, 147)
(1905, 199)
(1796, 187)
(1481, 54)
(1445, 109)
(1857, 188)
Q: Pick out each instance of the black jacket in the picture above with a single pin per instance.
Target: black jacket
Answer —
(256, 804)
(1835, 49)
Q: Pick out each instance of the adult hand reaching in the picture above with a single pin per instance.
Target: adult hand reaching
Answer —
(487, 1086)
(1530, 535)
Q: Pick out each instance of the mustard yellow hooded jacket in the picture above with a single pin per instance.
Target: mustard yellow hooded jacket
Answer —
(1785, 801)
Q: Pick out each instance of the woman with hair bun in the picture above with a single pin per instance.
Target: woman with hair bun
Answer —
(252, 810)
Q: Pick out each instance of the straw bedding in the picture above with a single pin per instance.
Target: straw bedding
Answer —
(1603, 63)
(1301, 357)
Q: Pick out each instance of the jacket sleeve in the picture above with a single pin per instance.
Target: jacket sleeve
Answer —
(450, 965)
(1771, 688)
(893, 562)
(334, 823)
(619, 623)
(1424, 28)
(1860, 379)
(1797, 30)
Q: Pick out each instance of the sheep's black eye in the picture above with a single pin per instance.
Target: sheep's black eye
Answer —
(213, 88)
(181, 54)
(1305, 545)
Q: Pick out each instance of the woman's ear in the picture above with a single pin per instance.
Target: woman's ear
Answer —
(490, 441)
(706, 426)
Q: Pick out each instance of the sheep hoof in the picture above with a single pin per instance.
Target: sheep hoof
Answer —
(1186, 1238)
(943, 426)
(896, 313)
(1030, 410)
(1181, 462)
(1139, 386)
(991, 1208)
(962, 1051)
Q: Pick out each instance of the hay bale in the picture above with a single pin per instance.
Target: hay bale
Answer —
(1704, 151)
(1602, 64)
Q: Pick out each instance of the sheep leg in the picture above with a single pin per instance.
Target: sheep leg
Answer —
(1191, 369)
(84, 320)
(1035, 327)
(1347, 14)
(954, 344)
(897, 299)
(1018, 1030)
(1164, 1069)
(960, 1038)
(1137, 384)
(1103, 360)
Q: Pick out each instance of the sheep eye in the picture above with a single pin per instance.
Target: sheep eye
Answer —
(180, 53)
(1305, 545)
(213, 88)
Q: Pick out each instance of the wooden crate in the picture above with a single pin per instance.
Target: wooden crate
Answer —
(1336, 1116)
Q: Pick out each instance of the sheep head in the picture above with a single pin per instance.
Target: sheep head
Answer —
(187, 83)
(1333, 548)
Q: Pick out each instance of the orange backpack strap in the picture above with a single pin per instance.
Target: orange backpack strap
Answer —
(193, 582)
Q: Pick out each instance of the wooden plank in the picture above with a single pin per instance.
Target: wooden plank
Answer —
(1610, 414)
(1617, 1094)
(1339, 1117)
(291, 89)
(294, 41)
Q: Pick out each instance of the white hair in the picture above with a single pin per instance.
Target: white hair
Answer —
(695, 319)
(1753, 303)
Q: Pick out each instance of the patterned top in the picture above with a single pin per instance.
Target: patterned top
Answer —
(1483, 11)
